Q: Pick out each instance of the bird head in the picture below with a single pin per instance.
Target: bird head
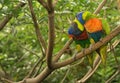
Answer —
(73, 30)
(86, 15)
(79, 17)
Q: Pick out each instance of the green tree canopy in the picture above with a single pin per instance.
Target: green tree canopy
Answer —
(35, 47)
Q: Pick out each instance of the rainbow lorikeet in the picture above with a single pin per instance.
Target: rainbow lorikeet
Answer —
(80, 36)
(97, 28)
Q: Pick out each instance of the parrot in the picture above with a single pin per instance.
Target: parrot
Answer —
(80, 36)
(97, 28)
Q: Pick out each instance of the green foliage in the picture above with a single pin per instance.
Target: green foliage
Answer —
(18, 39)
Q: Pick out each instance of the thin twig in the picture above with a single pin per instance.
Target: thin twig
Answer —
(34, 67)
(68, 70)
(43, 3)
(114, 54)
(40, 66)
(91, 71)
(30, 51)
(39, 36)
(100, 6)
(6, 80)
(8, 17)
(113, 76)
(56, 58)
(96, 64)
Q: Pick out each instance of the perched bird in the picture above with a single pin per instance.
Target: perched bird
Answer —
(80, 36)
(97, 28)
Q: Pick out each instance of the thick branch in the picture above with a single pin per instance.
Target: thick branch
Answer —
(8, 17)
(47, 71)
(39, 36)
(50, 5)
(100, 6)
(96, 64)
(88, 51)
(51, 34)
(70, 41)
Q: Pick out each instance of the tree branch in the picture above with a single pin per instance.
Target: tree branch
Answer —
(113, 76)
(87, 51)
(91, 71)
(33, 69)
(51, 34)
(100, 6)
(47, 71)
(43, 3)
(8, 17)
(96, 64)
(50, 5)
(39, 36)
(55, 2)
(56, 58)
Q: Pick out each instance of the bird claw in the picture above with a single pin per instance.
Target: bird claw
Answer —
(74, 57)
(83, 50)
(91, 47)
(101, 40)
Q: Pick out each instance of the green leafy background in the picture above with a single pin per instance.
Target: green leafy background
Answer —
(20, 49)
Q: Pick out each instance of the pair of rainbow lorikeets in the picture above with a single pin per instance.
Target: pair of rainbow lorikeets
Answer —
(87, 29)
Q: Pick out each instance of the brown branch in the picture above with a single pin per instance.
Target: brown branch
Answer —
(39, 68)
(65, 75)
(56, 58)
(88, 51)
(50, 5)
(71, 40)
(97, 60)
(39, 36)
(8, 17)
(43, 3)
(33, 69)
(100, 6)
(6, 80)
(55, 2)
(91, 71)
(113, 76)
(96, 64)
(47, 71)
(40, 77)
(51, 34)
(114, 45)
(30, 51)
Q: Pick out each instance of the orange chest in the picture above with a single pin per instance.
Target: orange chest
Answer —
(93, 25)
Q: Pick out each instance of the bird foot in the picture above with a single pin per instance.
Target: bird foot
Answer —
(101, 40)
(74, 56)
(83, 51)
(91, 47)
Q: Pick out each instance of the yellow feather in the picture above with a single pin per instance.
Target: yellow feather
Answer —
(80, 26)
(78, 47)
(103, 53)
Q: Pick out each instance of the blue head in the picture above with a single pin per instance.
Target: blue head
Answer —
(80, 17)
(73, 30)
